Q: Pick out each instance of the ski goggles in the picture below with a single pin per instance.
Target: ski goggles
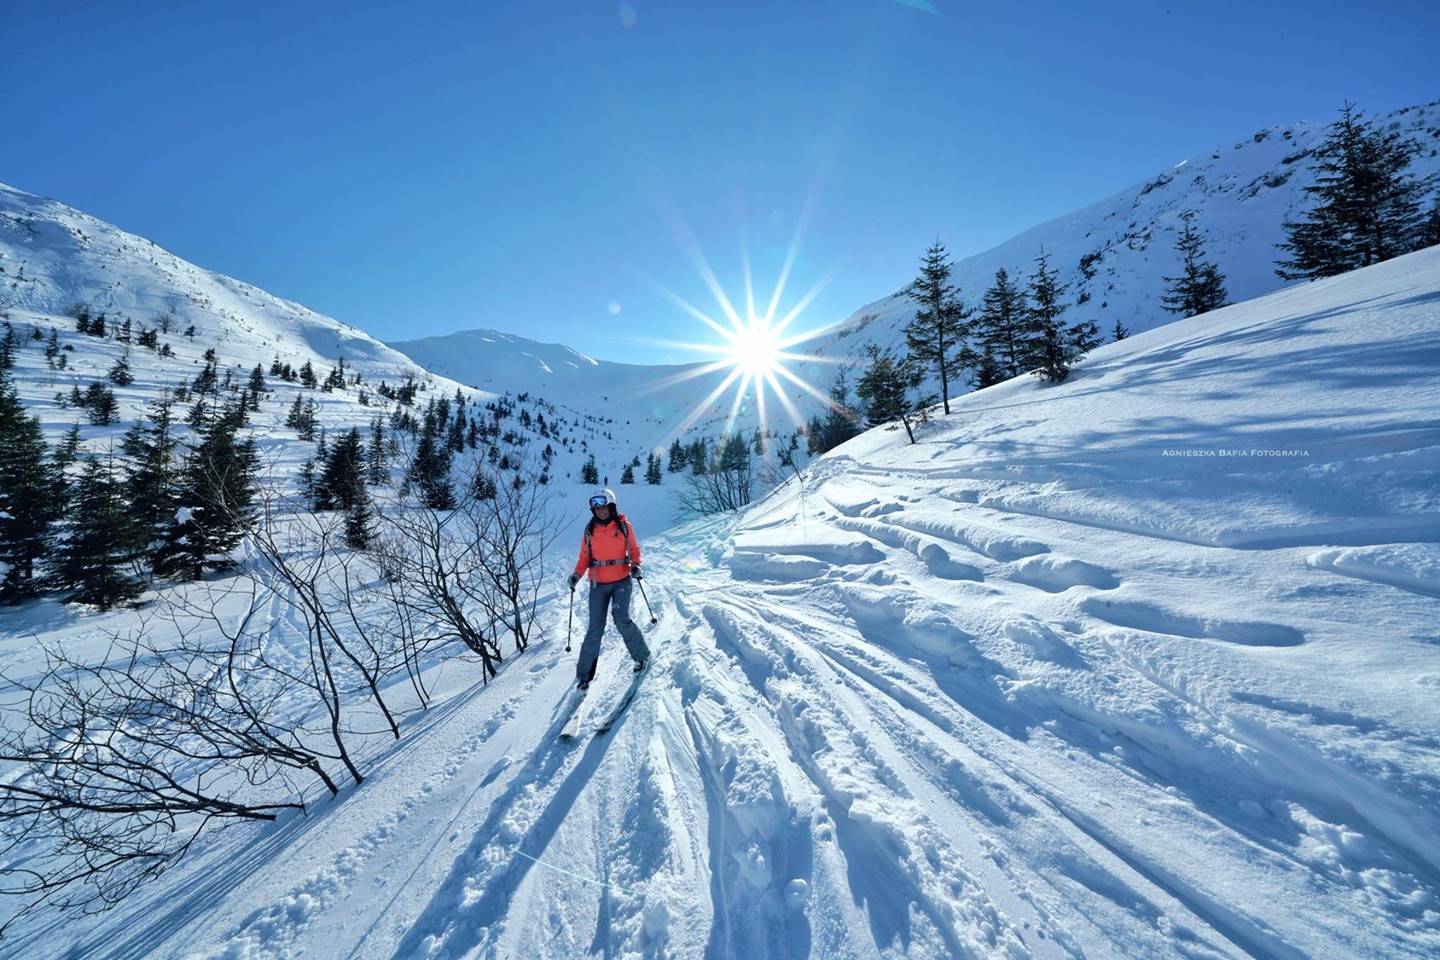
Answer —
(599, 502)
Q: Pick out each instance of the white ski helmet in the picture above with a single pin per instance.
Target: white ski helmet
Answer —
(602, 497)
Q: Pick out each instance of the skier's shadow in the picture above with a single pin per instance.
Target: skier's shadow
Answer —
(447, 904)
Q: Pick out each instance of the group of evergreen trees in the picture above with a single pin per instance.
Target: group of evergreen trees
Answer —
(841, 421)
(1014, 329)
(1368, 208)
(89, 525)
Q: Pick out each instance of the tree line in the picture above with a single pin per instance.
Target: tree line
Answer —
(205, 713)
(1366, 207)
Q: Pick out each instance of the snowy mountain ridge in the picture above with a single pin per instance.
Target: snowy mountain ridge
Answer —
(1113, 255)
(497, 361)
(55, 259)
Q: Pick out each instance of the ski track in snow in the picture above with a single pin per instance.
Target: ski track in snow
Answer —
(1023, 690)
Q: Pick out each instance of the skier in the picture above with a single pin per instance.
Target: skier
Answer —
(610, 551)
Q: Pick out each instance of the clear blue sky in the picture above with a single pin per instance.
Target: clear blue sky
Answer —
(430, 167)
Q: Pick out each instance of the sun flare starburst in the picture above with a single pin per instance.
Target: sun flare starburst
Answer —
(755, 349)
(753, 352)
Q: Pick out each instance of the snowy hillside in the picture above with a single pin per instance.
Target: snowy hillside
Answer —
(663, 395)
(1143, 665)
(1113, 256)
(55, 257)
(55, 260)
(1240, 196)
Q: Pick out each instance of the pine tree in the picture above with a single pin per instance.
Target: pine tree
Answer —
(430, 470)
(677, 456)
(198, 415)
(484, 486)
(27, 497)
(1001, 325)
(698, 456)
(296, 416)
(1200, 287)
(628, 474)
(342, 481)
(217, 491)
(301, 417)
(989, 371)
(375, 454)
(52, 346)
(653, 474)
(1119, 333)
(1368, 206)
(100, 555)
(100, 404)
(1430, 232)
(357, 524)
(841, 422)
(152, 476)
(257, 381)
(307, 375)
(61, 458)
(207, 380)
(937, 332)
(814, 434)
(1048, 350)
(884, 389)
(120, 374)
(589, 473)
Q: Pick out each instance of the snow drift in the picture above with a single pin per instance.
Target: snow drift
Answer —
(1141, 665)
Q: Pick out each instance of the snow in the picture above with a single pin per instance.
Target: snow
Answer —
(1239, 194)
(1030, 688)
(1140, 665)
(656, 398)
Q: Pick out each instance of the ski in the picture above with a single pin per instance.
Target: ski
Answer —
(571, 729)
(615, 714)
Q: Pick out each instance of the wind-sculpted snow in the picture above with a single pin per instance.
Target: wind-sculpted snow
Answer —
(1037, 687)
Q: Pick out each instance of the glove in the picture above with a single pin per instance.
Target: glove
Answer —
(574, 579)
(635, 572)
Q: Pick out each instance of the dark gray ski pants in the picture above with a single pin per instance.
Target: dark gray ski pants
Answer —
(615, 596)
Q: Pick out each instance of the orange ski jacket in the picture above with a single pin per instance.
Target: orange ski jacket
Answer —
(608, 551)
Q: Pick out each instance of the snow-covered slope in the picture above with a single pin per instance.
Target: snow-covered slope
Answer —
(1143, 665)
(1112, 255)
(667, 394)
(1240, 196)
(55, 259)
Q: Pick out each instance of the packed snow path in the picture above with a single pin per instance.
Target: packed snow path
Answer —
(1050, 683)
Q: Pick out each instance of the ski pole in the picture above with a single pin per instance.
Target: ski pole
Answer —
(570, 627)
(653, 619)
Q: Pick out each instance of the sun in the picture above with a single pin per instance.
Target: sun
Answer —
(755, 349)
(753, 353)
